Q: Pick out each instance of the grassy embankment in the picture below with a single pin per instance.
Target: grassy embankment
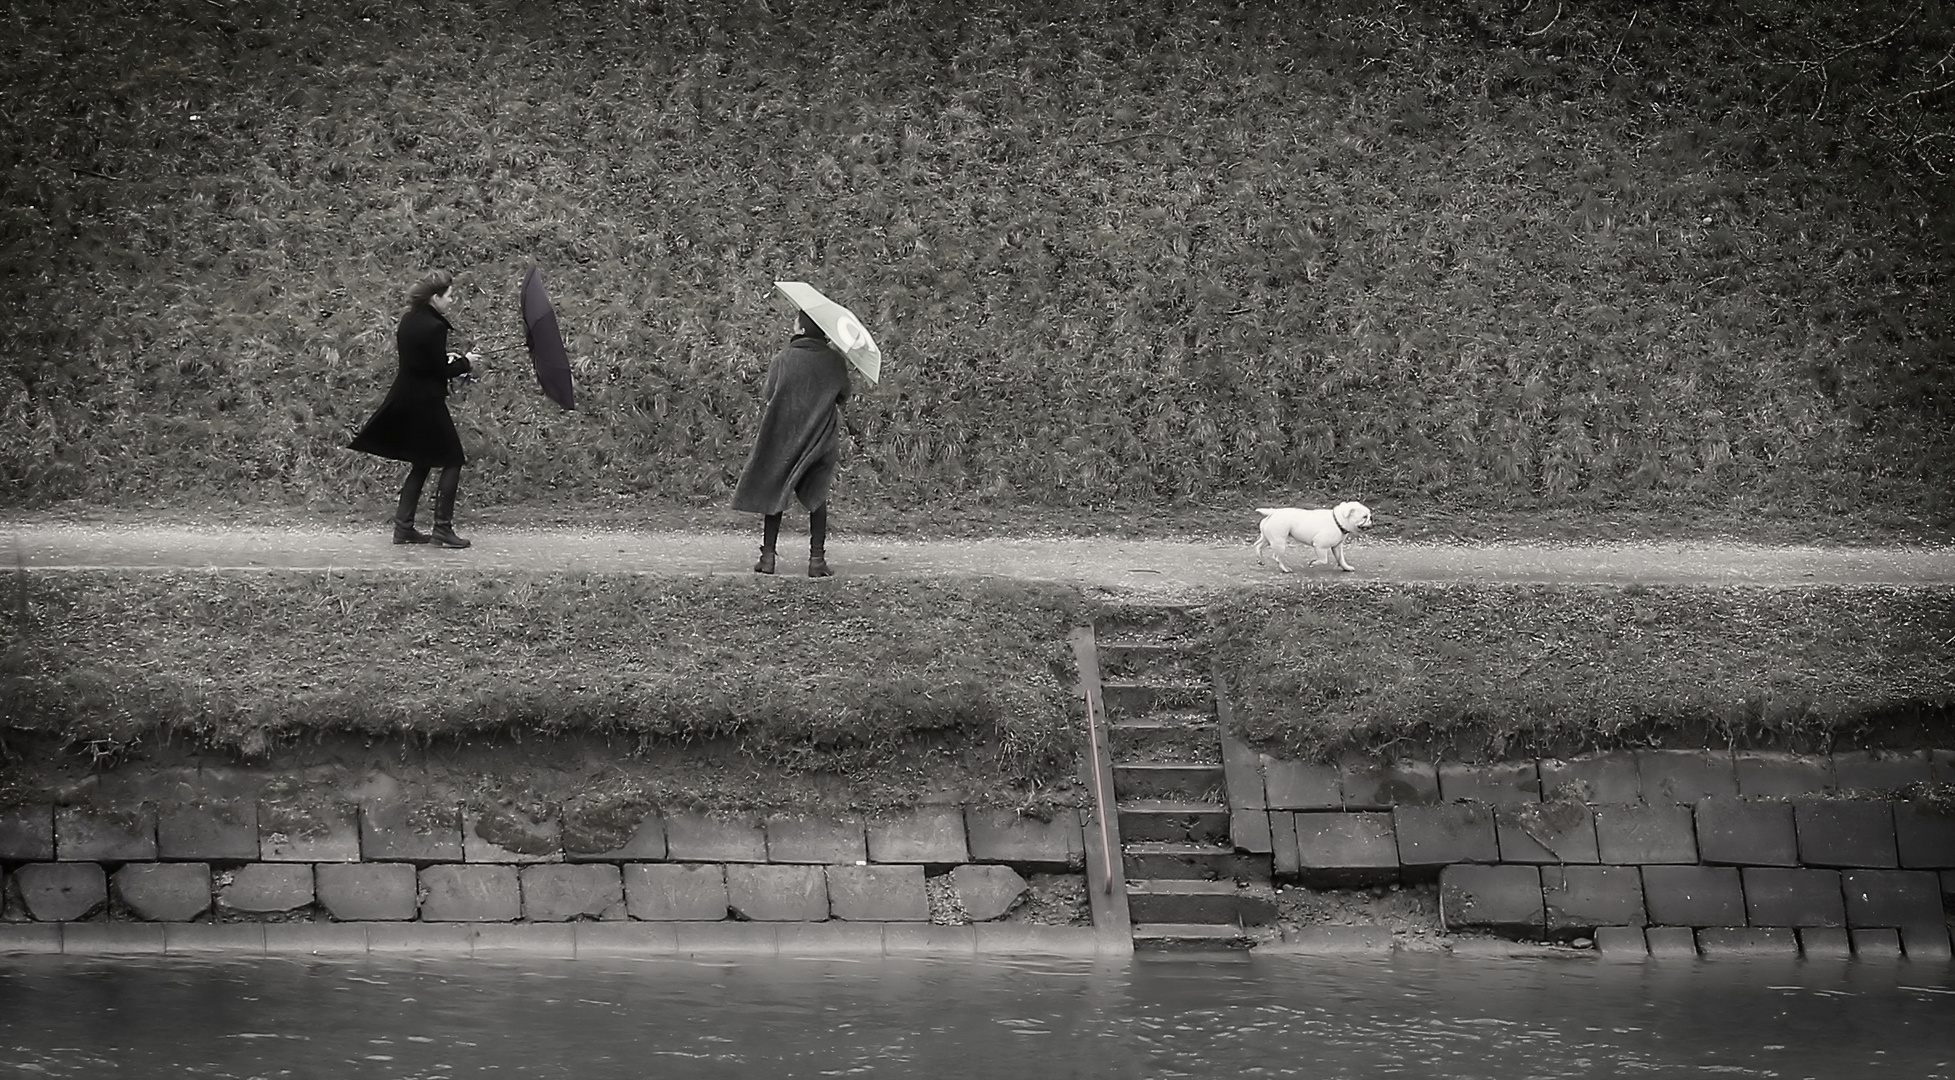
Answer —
(1600, 258)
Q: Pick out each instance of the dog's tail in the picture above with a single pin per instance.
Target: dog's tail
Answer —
(1267, 510)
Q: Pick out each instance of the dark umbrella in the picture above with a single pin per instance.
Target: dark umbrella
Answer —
(545, 341)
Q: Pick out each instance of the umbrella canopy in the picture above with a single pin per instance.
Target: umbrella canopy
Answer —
(545, 341)
(844, 330)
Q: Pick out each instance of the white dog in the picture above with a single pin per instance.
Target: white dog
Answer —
(1322, 529)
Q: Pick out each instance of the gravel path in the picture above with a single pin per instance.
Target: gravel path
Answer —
(1147, 568)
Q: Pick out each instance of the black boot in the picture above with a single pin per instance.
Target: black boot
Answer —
(818, 565)
(444, 509)
(766, 563)
(410, 502)
(818, 542)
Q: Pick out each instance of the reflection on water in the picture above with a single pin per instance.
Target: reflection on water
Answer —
(1422, 1016)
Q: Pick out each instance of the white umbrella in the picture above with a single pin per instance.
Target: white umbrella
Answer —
(844, 330)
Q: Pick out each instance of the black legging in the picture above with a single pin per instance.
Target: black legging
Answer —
(444, 492)
(770, 530)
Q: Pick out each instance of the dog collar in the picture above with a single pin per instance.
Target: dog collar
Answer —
(1342, 531)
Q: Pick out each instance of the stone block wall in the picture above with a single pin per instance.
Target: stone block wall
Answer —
(384, 863)
(1706, 852)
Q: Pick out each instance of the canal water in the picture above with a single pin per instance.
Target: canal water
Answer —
(1422, 1016)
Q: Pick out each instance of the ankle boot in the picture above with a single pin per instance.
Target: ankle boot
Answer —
(818, 565)
(444, 535)
(766, 563)
(406, 533)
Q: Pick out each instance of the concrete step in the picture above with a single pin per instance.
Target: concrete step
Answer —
(1211, 862)
(1127, 699)
(1165, 624)
(1185, 900)
(1182, 821)
(1177, 937)
(1190, 737)
(1142, 662)
(1193, 782)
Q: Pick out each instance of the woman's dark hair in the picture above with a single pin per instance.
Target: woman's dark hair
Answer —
(436, 283)
(805, 324)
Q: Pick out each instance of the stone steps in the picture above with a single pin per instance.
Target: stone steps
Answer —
(1170, 859)
(1187, 900)
(1180, 937)
(1188, 781)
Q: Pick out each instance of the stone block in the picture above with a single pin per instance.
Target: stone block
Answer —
(1735, 942)
(1671, 942)
(1766, 774)
(27, 833)
(125, 939)
(1300, 785)
(549, 939)
(1632, 834)
(503, 834)
(220, 939)
(1880, 944)
(1621, 942)
(626, 938)
(486, 892)
(1504, 899)
(929, 835)
(671, 892)
(986, 892)
(1881, 772)
(821, 841)
(1341, 849)
(1242, 773)
(1493, 783)
(317, 834)
(1824, 943)
(22, 939)
(1284, 858)
(1739, 833)
(1592, 778)
(560, 892)
(728, 938)
(215, 832)
(263, 888)
(316, 938)
(438, 939)
(164, 892)
(1434, 836)
(1693, 895)
(1925, 836)
(1905, 899)
(367, 892)
(1008, 837)
(61, 892)
(691, 836)
(776, 893)
(883, 893)
(1252, 831)
(1929, 943)
(1581, 899)
(85, 834)
(831, 938)
(634, 833)
(1562, 831)
(411, 832)
(1685, 776)
(1782, 896)
(1381, 785)
(1846, 834)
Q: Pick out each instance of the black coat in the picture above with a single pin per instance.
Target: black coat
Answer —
(413, 424)
(795, 451)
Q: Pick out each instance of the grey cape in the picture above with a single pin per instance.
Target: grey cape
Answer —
(794, 453)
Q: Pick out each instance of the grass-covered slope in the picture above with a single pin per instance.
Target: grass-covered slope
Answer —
(1576, 255)
(845, 678)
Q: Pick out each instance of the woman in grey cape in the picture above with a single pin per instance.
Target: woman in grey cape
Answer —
(794, 454)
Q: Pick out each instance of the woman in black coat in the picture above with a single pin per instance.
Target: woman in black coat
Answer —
(795, 452)
(413, 424)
